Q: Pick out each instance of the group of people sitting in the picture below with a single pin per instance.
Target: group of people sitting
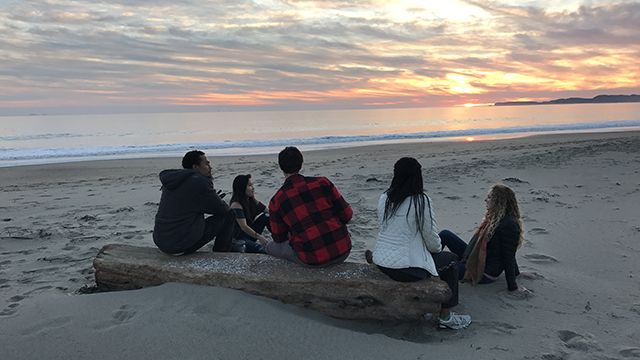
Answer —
(307, 218)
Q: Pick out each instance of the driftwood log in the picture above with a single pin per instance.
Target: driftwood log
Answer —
(348, 290)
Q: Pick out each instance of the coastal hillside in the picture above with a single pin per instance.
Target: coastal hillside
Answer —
(600, 99)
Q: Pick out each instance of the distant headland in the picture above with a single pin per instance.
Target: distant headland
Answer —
(575, 100)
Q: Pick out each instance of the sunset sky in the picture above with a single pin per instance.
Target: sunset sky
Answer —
(90, 56)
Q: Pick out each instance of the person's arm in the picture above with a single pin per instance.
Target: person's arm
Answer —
(508, 234)
(261, 208)
(430, 228)
(279, 229)
(211, 202)
(342, 207)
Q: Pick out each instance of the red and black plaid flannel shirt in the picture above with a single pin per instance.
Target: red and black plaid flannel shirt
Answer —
(312, 215)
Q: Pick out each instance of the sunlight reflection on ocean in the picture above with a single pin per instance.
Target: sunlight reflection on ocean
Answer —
(46, 139)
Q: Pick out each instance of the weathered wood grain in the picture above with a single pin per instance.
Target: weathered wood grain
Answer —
(348, 290)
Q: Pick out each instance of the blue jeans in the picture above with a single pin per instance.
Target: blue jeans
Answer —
(458, 247)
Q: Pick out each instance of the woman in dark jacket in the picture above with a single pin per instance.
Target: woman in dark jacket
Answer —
(492, 249)
(251, 215)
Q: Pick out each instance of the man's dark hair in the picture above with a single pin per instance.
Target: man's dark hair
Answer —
(290, 160)
(191, 158)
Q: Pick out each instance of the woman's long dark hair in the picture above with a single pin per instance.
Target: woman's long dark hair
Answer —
(407, 182)
(240, 195)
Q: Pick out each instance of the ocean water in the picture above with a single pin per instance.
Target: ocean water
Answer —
(47, 139)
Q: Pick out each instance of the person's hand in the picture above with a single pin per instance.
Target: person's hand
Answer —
(521, 292)
(262, 240)
(220, 194)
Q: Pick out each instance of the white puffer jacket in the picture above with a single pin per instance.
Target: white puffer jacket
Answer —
(400, 244)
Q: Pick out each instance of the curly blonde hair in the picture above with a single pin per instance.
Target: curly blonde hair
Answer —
(501, 202)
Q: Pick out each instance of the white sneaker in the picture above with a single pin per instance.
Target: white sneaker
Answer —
(455, 322)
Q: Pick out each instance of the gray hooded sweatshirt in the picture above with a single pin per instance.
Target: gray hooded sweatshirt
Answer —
(186, 196)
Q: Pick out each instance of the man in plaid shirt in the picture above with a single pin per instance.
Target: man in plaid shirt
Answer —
(308, 217)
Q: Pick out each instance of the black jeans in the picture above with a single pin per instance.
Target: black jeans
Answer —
(219, 227)
(258, 225)
(445, 264)
(458, 247)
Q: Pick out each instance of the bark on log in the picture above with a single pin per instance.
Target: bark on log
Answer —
(348, 290)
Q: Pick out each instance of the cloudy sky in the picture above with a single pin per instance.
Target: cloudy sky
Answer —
(91, 56)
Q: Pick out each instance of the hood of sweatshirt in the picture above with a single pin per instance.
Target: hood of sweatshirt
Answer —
(171, 179)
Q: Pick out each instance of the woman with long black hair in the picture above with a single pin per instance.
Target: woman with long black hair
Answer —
(251, 215)
(408, 247)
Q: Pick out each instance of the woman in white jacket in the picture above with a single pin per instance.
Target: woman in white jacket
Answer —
(408, 247)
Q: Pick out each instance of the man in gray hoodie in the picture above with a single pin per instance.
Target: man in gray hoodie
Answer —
(188, 194)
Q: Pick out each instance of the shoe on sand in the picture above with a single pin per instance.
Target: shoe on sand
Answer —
(455, 322)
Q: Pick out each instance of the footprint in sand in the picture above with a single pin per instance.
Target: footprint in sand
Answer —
(515, 180)
(119, 317)
(87, 218)
(17, 298)
(553, 356)
(500, 327)
(538, 231)
(453, 197)
(540, 258)
(46, 325)
(577, 341)
(122, 209)
(123, 315)
(47, 269)
(10, 310)
(630, 352)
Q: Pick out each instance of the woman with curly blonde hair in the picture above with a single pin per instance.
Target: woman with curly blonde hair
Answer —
(493, 247)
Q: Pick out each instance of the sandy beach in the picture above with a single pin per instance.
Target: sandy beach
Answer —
(579, 194)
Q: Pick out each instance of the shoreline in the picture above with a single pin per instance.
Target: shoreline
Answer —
(248, 147)
(266, 151)
(578, 193)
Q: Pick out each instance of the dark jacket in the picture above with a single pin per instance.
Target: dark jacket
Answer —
(501, 251)
(186, 197)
